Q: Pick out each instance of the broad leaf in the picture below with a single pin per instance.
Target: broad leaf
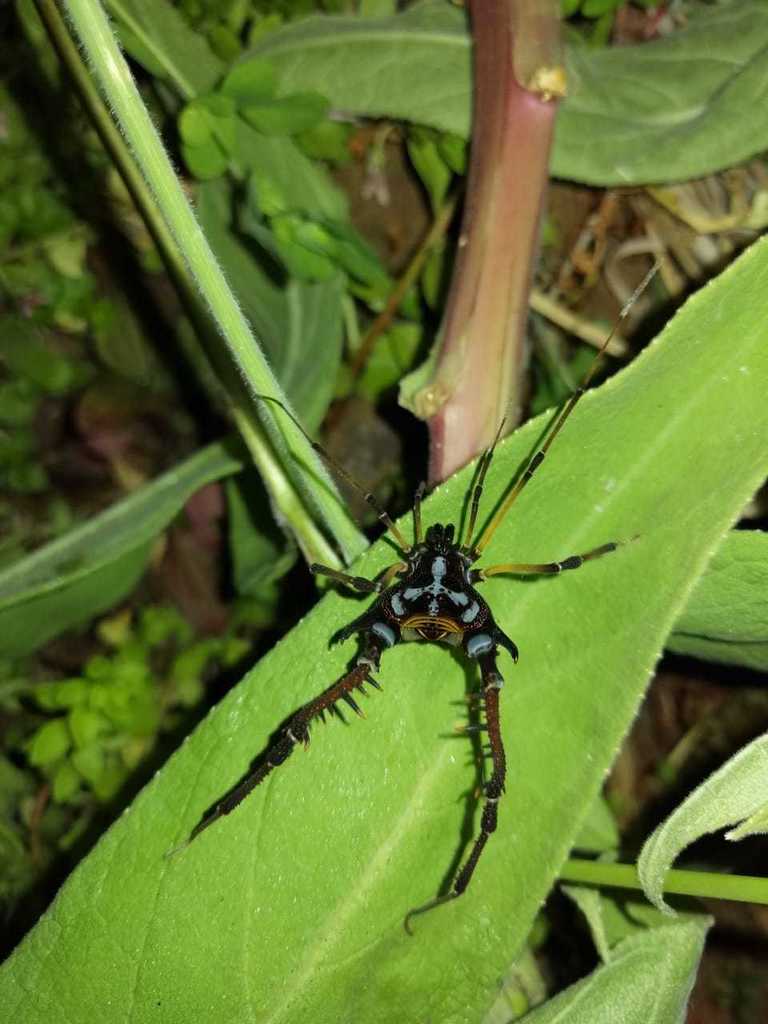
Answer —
(669, 109)
(726, 618)
(733, 795)
(79, 575)
(292, 908)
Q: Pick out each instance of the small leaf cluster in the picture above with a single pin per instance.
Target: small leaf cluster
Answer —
(100, 724)
(208, 125)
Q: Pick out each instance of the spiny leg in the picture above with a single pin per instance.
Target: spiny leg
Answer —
(557, 425)
(297, 731)
(494, 787)
(545, 568)
(367, 496)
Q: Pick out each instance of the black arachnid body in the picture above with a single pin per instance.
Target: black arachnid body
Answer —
(430, 596)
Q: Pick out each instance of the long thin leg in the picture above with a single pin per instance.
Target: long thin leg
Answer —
(369, 498)
(296, 731)
(494, 788)
(359, 583)
(417, 499)
(545, 568)
(477, 491)
(557, 424)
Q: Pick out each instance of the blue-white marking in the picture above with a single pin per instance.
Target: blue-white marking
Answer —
(435, 589)
(384, 632)
(480, 644)
(471, 613)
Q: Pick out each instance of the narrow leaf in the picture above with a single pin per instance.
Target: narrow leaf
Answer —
(92, 567)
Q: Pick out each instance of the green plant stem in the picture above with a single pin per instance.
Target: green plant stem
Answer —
(161, 189)
(704, 884)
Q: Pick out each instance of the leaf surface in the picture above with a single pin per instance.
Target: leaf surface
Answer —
(91, 567)
(726, 618)
(647, 981)
(292, 908)
(671, 109)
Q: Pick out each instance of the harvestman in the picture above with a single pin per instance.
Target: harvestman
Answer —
(430, 595)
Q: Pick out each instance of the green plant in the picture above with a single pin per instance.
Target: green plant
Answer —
(325, 861)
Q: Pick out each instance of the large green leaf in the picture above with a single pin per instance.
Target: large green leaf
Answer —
(292, 908)
(670, 109)
(79, 575)
(726, 618)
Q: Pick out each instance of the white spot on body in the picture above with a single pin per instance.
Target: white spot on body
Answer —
(397, 605)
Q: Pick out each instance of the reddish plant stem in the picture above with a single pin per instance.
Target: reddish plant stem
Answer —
(479, 368)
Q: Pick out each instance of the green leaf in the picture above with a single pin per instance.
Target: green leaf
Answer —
(24, 352)
(66, 783)
(86, 725)
(286, 115)
(206, 162)
(93, 566)
(258, 550)
(292, 907)
(90, 762)
(429, 163)
(726, 618)
(734, 794)
(50, 742)
(302, 185)
(250, 81)
(392, 356)
(599, 832)
(646, 981)
(156, 34)
(328, 140)
(208, 129)
(631, 115)
(296, 322)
